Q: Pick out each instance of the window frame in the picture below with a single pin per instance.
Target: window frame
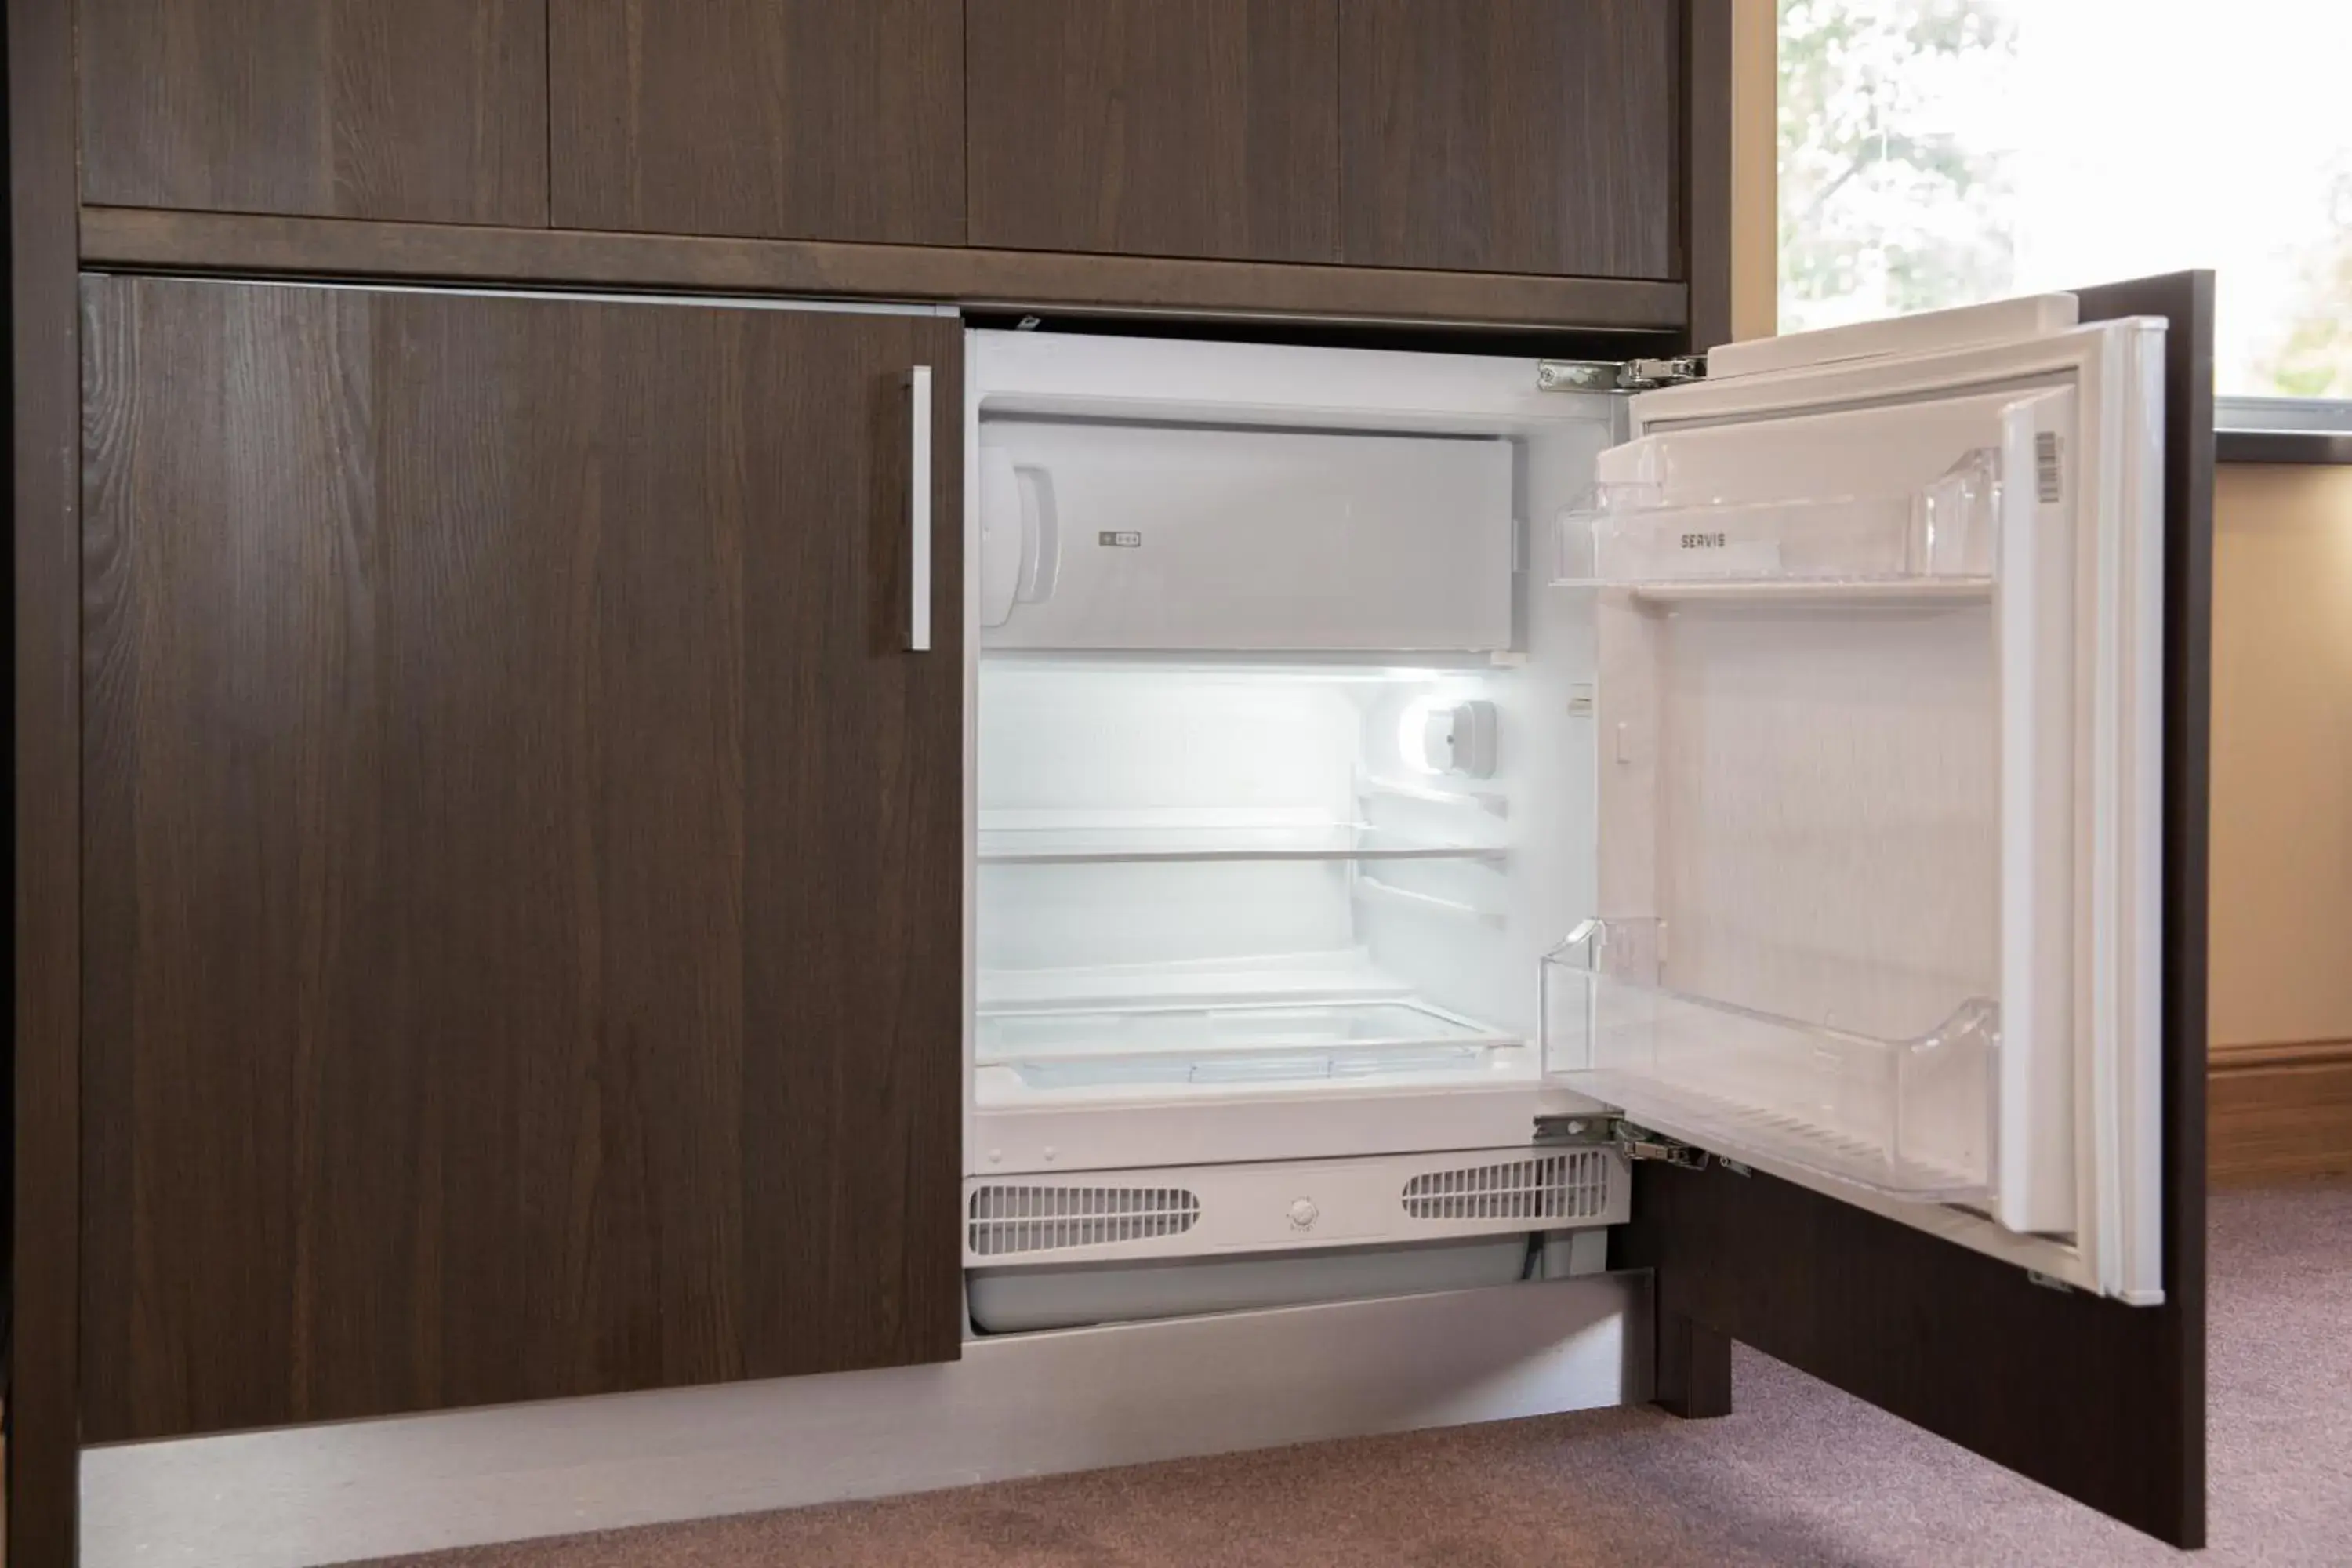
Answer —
(2282, 431)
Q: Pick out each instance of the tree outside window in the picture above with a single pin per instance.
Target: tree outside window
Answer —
(1939, 152)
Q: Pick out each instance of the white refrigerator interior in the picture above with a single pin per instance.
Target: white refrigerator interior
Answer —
(1384, 769)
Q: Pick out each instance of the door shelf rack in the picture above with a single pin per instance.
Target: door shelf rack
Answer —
(1908, 1118)
(1938, 537)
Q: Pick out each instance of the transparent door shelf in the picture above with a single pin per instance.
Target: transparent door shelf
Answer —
(1939, 534)
(1095, 845)
(1908, 1118)
(1285, 1043)
(1851, 590)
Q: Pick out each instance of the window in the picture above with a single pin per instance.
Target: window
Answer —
(1938, 152)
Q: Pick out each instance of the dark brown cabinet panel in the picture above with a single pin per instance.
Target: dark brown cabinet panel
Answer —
(522, 865)
(784, 118)
(1509, 135)
(431, 110)
(1156, 127)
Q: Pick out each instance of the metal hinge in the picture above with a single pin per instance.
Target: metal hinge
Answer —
(1638, 1142)
(1614, 376)
(1629, 1138)
(1641, 374)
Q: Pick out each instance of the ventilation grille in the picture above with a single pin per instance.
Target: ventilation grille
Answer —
(1043, 1219)
(1549, 1186)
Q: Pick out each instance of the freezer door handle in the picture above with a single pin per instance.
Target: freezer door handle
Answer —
(919, 510)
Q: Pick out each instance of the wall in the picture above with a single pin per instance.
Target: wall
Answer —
(2280, 1104)
(1755, 178)
(2281, 906)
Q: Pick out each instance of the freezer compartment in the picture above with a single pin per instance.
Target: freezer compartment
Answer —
(1101, 535)
(1909, 1117)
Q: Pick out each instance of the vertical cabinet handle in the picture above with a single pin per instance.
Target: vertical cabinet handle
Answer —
(919, 510)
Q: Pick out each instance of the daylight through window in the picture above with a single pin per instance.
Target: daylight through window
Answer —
(1938, 152)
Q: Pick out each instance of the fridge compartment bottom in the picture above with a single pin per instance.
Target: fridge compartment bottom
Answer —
(1147, 1046)
(1908, 1118)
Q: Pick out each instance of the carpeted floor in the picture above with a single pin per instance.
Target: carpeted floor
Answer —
(1800, 1475)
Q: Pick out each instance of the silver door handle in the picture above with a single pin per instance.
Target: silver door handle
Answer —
(919, 510)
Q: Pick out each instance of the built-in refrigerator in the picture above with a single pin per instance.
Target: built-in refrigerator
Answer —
(1406, 787)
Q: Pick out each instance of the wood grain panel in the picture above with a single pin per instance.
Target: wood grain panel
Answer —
(1703, 190)
(2065, 1387)
(782, 118)
(1155, 127)
(523, 874)
(429, 111)
(2281, 1112)
(42, 1086)
(2100, 1400)
(1510, 135)
(211, 242)
(1693, 1368)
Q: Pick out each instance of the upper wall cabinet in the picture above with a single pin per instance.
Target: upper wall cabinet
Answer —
(430, 110)
(779, 119)
(1156, 127)
(1509, 135)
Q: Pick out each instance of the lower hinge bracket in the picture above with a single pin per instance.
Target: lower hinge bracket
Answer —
(1635, 1141)
(1638, 1142)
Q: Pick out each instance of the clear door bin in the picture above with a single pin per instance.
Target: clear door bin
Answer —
(1635, 534)
(1908, 1118)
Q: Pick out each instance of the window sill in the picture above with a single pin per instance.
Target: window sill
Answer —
(2282, 430)
(2283, 445)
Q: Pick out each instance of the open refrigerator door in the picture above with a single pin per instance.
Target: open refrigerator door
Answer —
(1878, 669)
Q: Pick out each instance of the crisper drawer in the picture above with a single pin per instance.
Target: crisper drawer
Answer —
(1160, 537)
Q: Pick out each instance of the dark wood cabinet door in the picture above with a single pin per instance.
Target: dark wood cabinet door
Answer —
(2100, 1400)
(522, 862)
(781, 119)
(1510, 135)
(431, 110)
(1156, 127)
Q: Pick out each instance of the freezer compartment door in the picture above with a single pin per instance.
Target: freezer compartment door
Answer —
(1879, 783)
(1138, 536)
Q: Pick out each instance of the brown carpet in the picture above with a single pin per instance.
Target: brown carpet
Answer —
(1800, 1475)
